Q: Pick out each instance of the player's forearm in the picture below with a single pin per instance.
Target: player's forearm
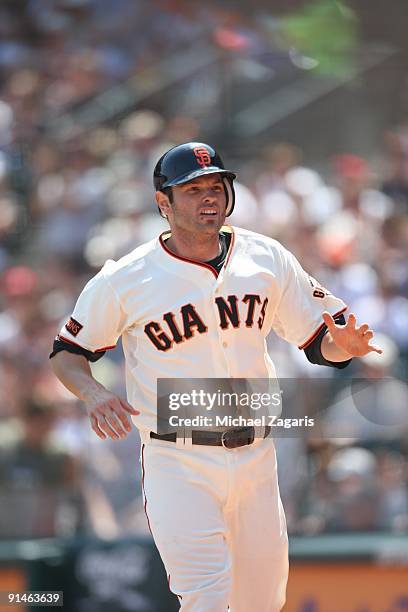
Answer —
(331, 351)
(75, 374)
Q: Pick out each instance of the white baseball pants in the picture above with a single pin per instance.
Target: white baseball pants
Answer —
(218, 522)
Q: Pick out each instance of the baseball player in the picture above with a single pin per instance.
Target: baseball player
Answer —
(198, 302)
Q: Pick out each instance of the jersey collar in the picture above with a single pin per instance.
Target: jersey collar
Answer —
(225, 228)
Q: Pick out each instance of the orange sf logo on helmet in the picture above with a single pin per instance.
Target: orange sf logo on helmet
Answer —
(203, 156)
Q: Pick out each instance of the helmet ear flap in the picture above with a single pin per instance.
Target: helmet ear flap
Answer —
(230, 195)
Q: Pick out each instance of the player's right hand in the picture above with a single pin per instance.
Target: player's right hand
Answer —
(109, 415)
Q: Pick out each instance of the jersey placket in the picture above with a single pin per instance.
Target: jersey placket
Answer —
(222, 343)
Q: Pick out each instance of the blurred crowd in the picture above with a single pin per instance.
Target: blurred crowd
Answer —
(67, 205)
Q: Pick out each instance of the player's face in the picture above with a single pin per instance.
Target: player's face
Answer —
(199, 205)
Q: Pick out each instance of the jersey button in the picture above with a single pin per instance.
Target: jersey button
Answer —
(225, 344)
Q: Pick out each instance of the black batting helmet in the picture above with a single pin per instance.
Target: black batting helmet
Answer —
(186, 162)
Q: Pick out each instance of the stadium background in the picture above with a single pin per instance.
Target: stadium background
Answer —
(308, 102)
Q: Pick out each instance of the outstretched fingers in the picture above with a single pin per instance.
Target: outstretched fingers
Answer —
(329, 321)
(373, 348)
(355, 339)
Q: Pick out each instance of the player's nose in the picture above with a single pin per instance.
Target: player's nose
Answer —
(209, 197)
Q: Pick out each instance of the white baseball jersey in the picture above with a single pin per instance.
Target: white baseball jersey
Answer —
(179, 318)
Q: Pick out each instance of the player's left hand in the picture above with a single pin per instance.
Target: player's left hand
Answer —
(351, 338)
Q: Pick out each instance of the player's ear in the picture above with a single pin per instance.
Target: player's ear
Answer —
(163, 203)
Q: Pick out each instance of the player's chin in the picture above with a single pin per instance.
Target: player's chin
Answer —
(209, 229)
(215, 221)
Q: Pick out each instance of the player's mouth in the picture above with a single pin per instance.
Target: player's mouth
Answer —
(208, 212)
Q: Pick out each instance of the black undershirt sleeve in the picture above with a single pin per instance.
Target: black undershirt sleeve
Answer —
(314, 353)
(60, 345)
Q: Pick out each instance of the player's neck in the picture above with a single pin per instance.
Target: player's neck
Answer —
(198, 248)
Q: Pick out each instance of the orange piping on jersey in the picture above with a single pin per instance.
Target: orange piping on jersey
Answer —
(193, 261)
(319, 329)
(105, 348)
(186, 259)
(100, 350)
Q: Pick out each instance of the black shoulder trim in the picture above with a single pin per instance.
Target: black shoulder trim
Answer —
(61, 345)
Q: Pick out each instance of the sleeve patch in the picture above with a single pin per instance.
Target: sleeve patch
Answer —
(73, 327)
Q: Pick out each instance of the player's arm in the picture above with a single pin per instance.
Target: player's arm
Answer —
(97, 322)
(108, 413)
(311, 317)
